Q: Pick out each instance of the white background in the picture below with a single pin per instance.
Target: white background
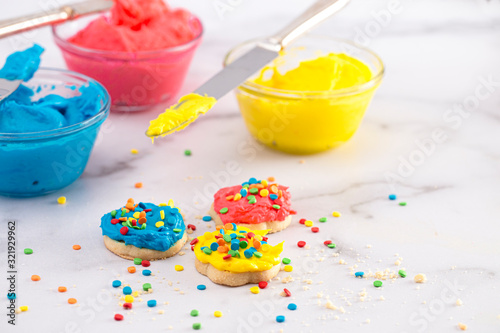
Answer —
(436, 53)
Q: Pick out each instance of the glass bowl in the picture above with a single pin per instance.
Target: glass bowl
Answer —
(306, 122)
(42, 162)
(136, 81)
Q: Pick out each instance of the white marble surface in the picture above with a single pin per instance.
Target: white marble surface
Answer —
(436, 53)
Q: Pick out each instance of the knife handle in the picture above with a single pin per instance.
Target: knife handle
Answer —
(313, 16)
(20, 24)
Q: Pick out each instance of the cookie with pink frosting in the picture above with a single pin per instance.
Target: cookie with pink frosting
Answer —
(255, 204)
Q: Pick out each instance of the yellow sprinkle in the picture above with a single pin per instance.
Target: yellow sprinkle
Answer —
(162, 214)
(264, 192)
(129, 299)
(218, 314)
(308, 223)
(255, 290)
(265, 247)
(237, 197)
(159, 224)
(136, 215)
(162, 204)
(135, 294)
(23, 308)
(61, 200)
(258, 237)
(264, 183)
(288, 268)
(134, 151)
(170, 203)
(208, 235)
(179, 268)
(336, 214)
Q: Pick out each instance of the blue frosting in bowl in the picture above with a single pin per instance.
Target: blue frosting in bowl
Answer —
(150, 237)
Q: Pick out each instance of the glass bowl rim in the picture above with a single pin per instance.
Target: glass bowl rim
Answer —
(63, 131)
(300, 94)
(121, 55)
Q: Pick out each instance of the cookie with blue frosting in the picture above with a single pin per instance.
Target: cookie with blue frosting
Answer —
(144, 230)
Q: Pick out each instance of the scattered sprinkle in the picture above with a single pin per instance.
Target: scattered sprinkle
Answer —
(129, 299)
(138, 185)
(118, 317)
(61, 200)
(127, 290)
(131, 269)
(145, 263)
(336, 214)
(194, 313)
(280, 319)
(77, 247)
(62, 289)
(308, 223)
(402, 273)
(137, 261)
(420, 278)
(72, 300)
(377, 283)
(392, 197)
(323, 219)
(315, 229)
(287, 292)
(262, 284)
(35, 278)
(402, 203)
(359, 274)
(207, 218)
(286, 261)
(292, 306)
(116, 283)
(23, 308)
(187, 152)
(196, 326)
(146, 272)
(288, 268)
(255, 290)
(301, 243)
(462, 326)
(201, 287)
(146, 286)
(218, 314)
(134, 151)
(179, 268)
(151, 303)
(28, 251)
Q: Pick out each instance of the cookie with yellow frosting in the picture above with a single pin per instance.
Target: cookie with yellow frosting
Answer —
(255, 204)
(144, 230)
(235, 255)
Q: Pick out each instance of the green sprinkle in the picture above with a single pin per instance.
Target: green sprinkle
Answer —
(276, 206)
(332, 245)
(402, 203)
(128, 223)
(323, 219)
(123, 213)
(137, 261)
(246, 186)
(113, 213)
(194, 313)
(227, 238)
(196, 326)
(143, 226)
(232, 253)
(402, 273)
(146, 286)
(176, 230)
(251, 197)
(243, 244)
(223, 210)
(207, 250)
(254, 190)
(377, 283)
(286, 261)
(28, 251)
(187, 152)
(257, 254)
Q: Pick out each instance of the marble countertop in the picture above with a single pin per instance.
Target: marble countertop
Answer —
(443, 76)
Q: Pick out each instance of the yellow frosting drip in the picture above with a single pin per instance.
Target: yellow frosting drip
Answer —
(180, 115)
(270, 254)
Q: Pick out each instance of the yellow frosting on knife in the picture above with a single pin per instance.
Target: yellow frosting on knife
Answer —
(180, 115)
(238, 262)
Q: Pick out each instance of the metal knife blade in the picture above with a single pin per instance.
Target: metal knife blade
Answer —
(90, 7)
(7, 87)
(237, 72)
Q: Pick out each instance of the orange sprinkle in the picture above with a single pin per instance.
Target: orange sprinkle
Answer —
(76, 247)
(62, 289)
(259, 186)
(219, 227)
(130, 200)
(138, 185)
(228, 226)
(223, 249)
(71, 300)
(221, 241)
(252, 185)
(229, 197)
(273, 189)
(131, 269)
(35, 278)
(122, 219)
(280, 194)
(129, 206)
(142, 220)
(256, 244)
(142, 214)
(271, 179)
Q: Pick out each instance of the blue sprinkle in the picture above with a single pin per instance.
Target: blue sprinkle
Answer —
(175, 210)
(233, 236)
(152, 303)
(142, 205)
(392, 197)
(207, 218)
(252, 249)
(273, 196)
(280, 319)
(203, 247)
(263, 242)
(243, 192)
(242, 231)
(222, 232)
(359, 274)
(292, 306)
(201, 287)
(234, 226)
(146, 272)
(248, 254)
(214, 246)
(235, 246)
(11, 296)
(235, 240)
(127, 291)
(116, 283)
(245, 183)
(252, 181)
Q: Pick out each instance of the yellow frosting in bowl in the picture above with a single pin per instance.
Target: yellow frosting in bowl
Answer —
(263, 256)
